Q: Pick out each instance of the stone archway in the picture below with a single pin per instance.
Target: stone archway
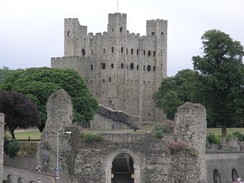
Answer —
(130, 170)
(216, 176)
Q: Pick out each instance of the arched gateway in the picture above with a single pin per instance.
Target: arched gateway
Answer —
(123, 165)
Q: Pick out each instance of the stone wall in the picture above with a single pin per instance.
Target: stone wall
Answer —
(1, 145)
(122, 69)
(152, 160)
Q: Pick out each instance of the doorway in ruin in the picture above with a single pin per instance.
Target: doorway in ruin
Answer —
(123, 167)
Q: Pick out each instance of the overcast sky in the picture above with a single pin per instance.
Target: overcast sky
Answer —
(31, 31)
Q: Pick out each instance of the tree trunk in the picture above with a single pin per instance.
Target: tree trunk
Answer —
(224, 131)
(12, 134)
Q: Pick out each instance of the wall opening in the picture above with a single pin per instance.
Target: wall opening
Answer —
(112, 66)
(149, 53)
(148, 68)
(120, 29)
(122, 49)
(83, 52)
(154, 53)
(137, 51)
(122, 66)
(153, 33)
(103, 65)
(216, 176)
(109, 79)
(68, 33)
(91, 67)
(131, 51)
(112, 49)
(104, 50)
(123, 167)
(162, 35)
(131, 66)
(234, 175)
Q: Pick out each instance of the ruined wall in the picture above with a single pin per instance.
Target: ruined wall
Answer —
(122, 69)
(153, 160)
(1, 145)
(53, 138)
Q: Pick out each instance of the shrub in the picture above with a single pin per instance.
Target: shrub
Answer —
(93, 137)
(213, 139)
(88, 137)
(164, 127)
(11, 146)
(238, 135)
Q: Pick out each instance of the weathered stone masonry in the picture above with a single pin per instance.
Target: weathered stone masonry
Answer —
(125, 157)
(122, 69)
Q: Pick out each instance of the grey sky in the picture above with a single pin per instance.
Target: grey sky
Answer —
(31, 31)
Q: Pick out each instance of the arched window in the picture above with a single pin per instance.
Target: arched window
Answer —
(144, 52)
(149, 53)
(91, 67)
(131, 51)
(154, 53)
(112, 66)
(122, 65)
(137, 67)
(83, 52)
(131, 66)
(216, 176)
(112, 49)
(148, 68)
(122, 49)
(137, 51)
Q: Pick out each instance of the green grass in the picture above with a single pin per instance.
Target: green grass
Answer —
(217, 131)
(27, 134)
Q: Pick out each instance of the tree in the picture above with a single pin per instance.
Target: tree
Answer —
(175, 91)
(20, 112)
(221, 77)
(39, 83)
(3, 73)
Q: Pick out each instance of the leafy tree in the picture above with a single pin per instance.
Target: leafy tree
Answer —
(175, 91)
(39, 83)
(19, 111)
(221, 77)
(3, 73)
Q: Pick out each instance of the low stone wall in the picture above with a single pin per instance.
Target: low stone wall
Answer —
(225, 167)
(26, 162)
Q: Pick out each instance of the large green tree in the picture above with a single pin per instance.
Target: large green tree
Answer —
(221, 77)
(4, 72)
(175, 91)
(20, 112)
(39, 83)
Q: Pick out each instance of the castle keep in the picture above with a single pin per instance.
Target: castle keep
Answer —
(122, 69)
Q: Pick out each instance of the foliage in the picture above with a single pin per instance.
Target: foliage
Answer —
(178, 146)
(92, 137)
(221, 78)
(3, 73)
(175, 91)
(11, 146)
(213, 139)
(20, 112)
(164, 127)
(39, 83)
(238, 135)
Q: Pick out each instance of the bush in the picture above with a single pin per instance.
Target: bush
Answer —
(93, 137)
(238, 135)
(213, 139)
(164, 127)
(11, 146)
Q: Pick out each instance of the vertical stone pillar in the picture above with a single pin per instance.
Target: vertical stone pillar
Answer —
(1, 145)
(190, 127)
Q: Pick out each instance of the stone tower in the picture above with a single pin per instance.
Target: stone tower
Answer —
(122, 69)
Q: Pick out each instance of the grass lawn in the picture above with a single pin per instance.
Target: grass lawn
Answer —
(217, 131)
(37, 134)
(27, 134)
